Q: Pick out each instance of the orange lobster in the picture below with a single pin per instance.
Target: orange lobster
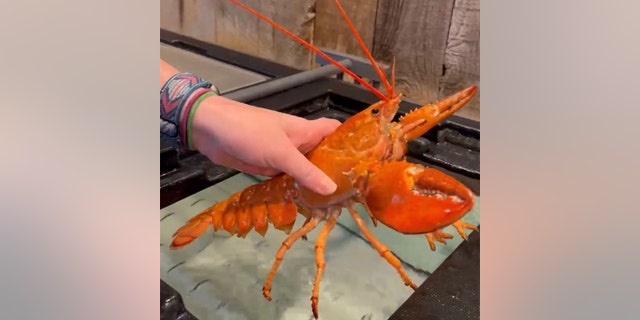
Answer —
(365, 157)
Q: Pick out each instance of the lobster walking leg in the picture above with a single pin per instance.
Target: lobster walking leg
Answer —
(461, 225)
(439, 236)
(379, 246)
(306, 221)
(442, 236)
(286, 245)
(320, 245)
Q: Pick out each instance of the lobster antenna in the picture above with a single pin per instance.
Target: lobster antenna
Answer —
(314, 49)
(390, 90)
(393, 76)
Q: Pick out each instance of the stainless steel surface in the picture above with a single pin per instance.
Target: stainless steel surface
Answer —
(224, 76)
(271, 87)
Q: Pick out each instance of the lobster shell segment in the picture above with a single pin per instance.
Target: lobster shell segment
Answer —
(413, 199)
(253, 208)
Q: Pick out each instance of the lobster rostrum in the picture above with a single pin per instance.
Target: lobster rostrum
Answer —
(365, 157)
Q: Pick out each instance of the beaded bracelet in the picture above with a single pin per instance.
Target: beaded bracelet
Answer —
(177, 99)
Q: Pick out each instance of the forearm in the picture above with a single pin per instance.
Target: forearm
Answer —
(166, 72)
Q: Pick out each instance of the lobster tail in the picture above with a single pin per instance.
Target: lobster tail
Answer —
(193, 228)
(250, 209)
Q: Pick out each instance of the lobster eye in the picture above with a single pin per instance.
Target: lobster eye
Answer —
(375, 111)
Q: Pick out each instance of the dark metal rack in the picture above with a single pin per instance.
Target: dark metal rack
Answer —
(452, 291)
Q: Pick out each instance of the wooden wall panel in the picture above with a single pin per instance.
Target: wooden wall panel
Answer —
(462, 55)
(223, 23)
(170, 15)
(198, 18)
(435, 42)
(332, 32)
(415, 32)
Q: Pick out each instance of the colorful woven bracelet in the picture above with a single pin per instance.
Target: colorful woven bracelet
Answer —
(177, 96)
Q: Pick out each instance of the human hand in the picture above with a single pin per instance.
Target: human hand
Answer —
(260, 141)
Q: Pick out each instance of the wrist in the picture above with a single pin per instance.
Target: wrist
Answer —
(205, 119)
(178, 97)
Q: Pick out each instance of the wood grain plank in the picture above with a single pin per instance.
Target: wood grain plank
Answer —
(435, 42)
(462, 55)
(198, 20)
(299, 18)
(332, 32)
(170, 15)
(223, 23)
(415, 32)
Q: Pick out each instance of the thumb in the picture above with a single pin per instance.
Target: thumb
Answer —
(325, 126)
(291, 161)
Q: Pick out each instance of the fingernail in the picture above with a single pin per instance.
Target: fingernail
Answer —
(327, 186)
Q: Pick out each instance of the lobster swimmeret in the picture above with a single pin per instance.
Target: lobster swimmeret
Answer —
(365, 157)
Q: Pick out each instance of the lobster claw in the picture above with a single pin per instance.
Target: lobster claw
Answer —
(414, 199)
(431, 114)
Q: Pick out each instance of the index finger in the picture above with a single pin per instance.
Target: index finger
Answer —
(291, 161)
